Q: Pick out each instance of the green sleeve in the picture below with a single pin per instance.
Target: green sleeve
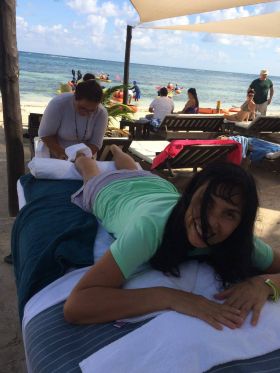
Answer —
(263, 254)
(136, 244)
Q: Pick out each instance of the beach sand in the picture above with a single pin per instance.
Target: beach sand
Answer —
(11, 348)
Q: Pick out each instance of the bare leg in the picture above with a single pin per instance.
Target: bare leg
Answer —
(87, 167)
(122, 160)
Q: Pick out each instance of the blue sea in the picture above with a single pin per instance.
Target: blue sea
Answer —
(41, 75)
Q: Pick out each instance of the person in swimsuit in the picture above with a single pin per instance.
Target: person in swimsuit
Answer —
(247, 109)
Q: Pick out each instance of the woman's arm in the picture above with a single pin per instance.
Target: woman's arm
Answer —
(100, 125)
(94, 149)
(98, 298)
(56, 150)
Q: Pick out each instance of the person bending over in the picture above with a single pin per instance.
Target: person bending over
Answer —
(75, 118)
(152, 223)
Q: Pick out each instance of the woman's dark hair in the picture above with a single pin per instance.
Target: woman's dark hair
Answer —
(250, 90)
(88, 76)
(89, 90)
(163, 91)
(232, 258)
(192, 91)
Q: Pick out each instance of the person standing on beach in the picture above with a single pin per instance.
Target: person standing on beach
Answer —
(261, 87)
(75, 118)
(136, 90)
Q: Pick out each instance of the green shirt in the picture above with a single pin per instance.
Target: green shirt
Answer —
(135, 211)
(261, 88)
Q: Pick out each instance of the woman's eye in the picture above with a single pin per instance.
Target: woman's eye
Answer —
(230, 215)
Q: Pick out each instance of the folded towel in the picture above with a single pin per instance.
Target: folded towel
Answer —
(71, 151)
(49, 168)
(173, 342)
(57, 169)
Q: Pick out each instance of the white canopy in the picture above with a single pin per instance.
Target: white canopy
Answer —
(261, 25)
(152, 10)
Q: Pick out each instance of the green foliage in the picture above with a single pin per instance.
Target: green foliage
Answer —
(116, 111)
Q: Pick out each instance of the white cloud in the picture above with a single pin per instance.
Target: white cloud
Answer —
(108, 9)
(277, 50)
(120, 23)
(98, 23)
(83, 6)
(40, 29)
(21, 22)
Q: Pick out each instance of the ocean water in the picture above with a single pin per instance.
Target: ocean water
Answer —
(41, 74)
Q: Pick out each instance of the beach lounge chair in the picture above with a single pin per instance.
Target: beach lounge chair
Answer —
(191, 156)
(259, 127)
(103, 154)
(34, 120)
(179, 126)
(191, 126)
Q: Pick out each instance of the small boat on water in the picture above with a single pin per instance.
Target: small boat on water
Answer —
(103, 80)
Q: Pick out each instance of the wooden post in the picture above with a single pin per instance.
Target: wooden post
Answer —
(9, 86)
(126, 63)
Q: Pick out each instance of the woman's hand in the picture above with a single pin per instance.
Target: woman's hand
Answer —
(59, 154)
(247, 296)
(213, 313)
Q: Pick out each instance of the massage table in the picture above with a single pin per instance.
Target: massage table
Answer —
(52, 345)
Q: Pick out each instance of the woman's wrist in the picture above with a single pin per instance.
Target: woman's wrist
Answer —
(262, 281)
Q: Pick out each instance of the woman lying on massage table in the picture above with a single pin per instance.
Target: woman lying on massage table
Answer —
(151, 222)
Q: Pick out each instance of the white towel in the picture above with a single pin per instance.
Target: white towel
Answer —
(49, 168)
(71, 151)
(173, 342)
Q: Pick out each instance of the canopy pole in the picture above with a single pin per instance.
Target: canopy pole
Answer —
(126, 63)
(9, 86)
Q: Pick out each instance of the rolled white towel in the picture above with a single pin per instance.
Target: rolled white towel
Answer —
(71, 151)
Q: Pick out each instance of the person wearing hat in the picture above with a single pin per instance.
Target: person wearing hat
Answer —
(261, 86)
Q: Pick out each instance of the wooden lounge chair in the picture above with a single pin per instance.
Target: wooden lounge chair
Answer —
(192, 156)
(179, 126)
(259, 127)
(34, 120)
(103, 154)
(191, 126)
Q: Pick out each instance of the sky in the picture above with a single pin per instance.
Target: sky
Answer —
(97, 29)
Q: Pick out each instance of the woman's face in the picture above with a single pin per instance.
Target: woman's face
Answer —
(85, 107)
(223, 218)
(190, 96)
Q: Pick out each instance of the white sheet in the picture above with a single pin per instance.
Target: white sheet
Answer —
(173, 342)
(21, 196)
(147, 150)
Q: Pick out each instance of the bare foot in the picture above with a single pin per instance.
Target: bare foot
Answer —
(79, 154)
(114, 149)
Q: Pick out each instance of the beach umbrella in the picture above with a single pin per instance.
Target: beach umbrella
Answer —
(260, 25)
(150, 10)
(153, 10)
